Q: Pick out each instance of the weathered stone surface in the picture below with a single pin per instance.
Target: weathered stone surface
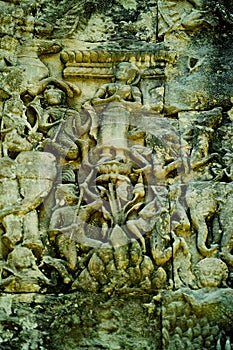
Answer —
(116, 174)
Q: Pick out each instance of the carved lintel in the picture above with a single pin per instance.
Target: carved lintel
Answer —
(101, 64)
(84, 72)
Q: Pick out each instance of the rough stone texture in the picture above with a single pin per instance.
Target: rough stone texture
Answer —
(116, 195)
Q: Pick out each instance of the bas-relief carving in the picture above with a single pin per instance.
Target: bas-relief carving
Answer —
(102, 192)
(183, 15)
(132, 193)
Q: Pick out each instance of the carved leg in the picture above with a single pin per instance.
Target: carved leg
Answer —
(5, 149)
(84, 146)
(32, 238)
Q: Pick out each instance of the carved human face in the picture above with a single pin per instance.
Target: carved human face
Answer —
(54, 97)
(124, 72)
(211, 272)
(21, 258)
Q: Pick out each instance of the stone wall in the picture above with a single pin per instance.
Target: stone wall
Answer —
(116, 195)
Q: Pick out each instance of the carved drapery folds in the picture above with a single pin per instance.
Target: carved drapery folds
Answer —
(101, 191)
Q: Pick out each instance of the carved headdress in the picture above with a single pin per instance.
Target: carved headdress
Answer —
(132, 70)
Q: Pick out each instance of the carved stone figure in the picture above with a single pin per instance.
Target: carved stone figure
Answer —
(201, 136)
(22, 274)
(50, 101)
(10, 195)
(119, 98)
(167, 248)
(68, 222)
(147, 218)
(29, 182)
(202, 202)
(8, 50)
(116, 192)
(180, 223)
(63, 128)
(215, 276)
(170, 18)
(14, 126)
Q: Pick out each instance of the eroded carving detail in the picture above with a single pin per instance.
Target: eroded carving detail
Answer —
(108, 184)
(111, 196)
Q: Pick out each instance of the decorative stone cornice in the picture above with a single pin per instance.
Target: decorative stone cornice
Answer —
(100, 63)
